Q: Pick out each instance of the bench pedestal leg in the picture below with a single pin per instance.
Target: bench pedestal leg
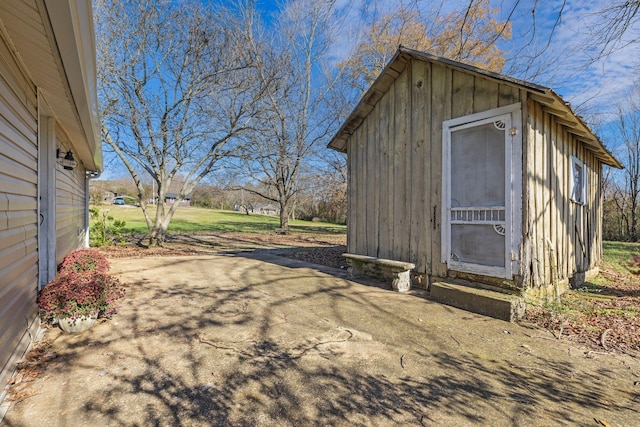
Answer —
(356, 268)
(401, 281)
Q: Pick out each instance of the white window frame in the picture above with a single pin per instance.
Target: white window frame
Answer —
(581, 192)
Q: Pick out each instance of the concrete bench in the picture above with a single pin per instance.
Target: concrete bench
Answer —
(362, 265)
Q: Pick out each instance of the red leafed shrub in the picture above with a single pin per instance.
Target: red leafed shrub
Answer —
(84, 260)
(78, 294)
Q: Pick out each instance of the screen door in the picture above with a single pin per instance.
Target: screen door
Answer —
(479, 197)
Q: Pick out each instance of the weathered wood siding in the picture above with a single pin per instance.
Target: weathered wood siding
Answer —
(18, 209)
(70, 207)
(561, 236)
(395, 161)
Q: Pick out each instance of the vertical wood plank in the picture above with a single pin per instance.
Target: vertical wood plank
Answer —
(554, 218)
(430, 202)
(383, 172)
(373, 176)
(507, 95)
(525, 245)
(390, 184)
(566, 189)
(485, 95)
(440, 111)
(400, 229)
(355, 188)
(419, 165)
(571, 219)
(535, 194)
(462, 92)
(556, 194)
(361, 191)
(544, 183)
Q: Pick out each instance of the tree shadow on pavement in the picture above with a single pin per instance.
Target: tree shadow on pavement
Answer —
(252, 343)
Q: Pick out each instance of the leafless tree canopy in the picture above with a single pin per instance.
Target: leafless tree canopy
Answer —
(295, 121)
(622, 195)
(177, 90)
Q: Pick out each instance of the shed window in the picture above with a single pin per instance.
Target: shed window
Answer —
(579, 181)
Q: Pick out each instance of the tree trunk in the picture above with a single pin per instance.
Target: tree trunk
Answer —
(634, 219)
(157, 236)
(158, 230)
(284, 216)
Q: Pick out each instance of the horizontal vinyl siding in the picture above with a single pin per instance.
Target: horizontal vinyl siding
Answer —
(18, 210)
(70, 210)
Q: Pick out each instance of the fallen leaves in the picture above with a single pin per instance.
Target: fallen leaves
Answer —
(601, 316)
(31, 367)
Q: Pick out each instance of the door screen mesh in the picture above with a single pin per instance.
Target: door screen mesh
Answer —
(478, 195)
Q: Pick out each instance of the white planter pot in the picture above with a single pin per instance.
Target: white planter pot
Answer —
(78, 325)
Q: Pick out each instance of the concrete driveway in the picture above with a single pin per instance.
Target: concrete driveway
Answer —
(256, 339)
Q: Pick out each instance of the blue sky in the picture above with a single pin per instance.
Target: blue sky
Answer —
(593, 89)
(564, 61)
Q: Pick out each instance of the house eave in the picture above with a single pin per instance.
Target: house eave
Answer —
(53, 43)
(72, 25)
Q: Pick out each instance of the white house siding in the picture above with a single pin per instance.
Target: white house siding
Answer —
(70, 208)
(18, 210)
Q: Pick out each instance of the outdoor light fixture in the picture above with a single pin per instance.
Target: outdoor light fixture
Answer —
(67, 162)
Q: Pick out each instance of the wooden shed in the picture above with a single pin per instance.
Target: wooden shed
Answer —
(473, 176)
(49, 148)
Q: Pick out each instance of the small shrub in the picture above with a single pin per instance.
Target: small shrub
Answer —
(78, 294)
(84, 260)
(104, 230)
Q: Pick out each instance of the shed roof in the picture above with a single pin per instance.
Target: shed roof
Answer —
(551, 101)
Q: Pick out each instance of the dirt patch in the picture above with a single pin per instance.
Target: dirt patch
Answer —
(206, 244)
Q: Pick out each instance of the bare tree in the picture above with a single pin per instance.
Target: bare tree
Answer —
(176, 90)
(469, 35)
(617, 20)
(295, 122)
(627, 131)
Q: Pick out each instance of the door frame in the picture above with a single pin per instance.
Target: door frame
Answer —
(46, 193)
(513, 189)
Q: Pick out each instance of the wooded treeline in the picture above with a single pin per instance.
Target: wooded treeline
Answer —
(622, 188)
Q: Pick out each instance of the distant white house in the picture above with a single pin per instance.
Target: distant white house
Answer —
(259, 208)
(267, 209)
(171, 198)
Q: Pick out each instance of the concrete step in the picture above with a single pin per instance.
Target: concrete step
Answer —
(476, 300)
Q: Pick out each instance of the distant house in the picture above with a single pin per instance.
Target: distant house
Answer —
(49, 149)
(171, 198)
(267, 209)
(108, 196)
(473, 176)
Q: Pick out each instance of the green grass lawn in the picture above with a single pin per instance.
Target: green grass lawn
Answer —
(618, 256)
(199, 220)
